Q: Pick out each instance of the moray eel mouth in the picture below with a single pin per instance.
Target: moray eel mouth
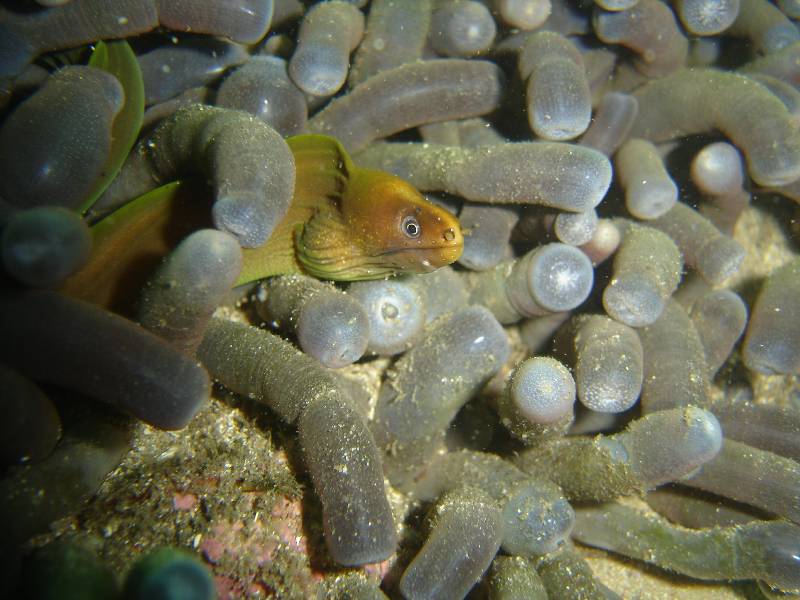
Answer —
(389, 262)
(421, 260)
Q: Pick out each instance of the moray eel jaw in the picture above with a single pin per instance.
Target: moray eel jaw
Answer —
(424, 259)
(335, 256)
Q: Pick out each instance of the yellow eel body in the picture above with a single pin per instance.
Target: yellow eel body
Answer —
(344, 223)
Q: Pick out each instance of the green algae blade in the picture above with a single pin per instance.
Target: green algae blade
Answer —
(118, 59)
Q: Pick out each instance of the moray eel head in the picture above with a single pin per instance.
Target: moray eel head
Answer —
(372, 224)
(397, 225)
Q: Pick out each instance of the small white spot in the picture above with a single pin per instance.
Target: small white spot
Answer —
(389, 311)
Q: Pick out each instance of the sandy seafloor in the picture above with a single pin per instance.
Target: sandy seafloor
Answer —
(230, 486)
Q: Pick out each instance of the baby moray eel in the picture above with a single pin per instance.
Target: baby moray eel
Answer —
(345, 223)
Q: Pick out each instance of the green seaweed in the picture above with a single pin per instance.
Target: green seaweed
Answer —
(117, 58)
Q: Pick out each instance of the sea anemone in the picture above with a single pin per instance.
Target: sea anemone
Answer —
(608, 369)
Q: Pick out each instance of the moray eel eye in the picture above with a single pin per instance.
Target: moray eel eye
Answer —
(411, 227)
